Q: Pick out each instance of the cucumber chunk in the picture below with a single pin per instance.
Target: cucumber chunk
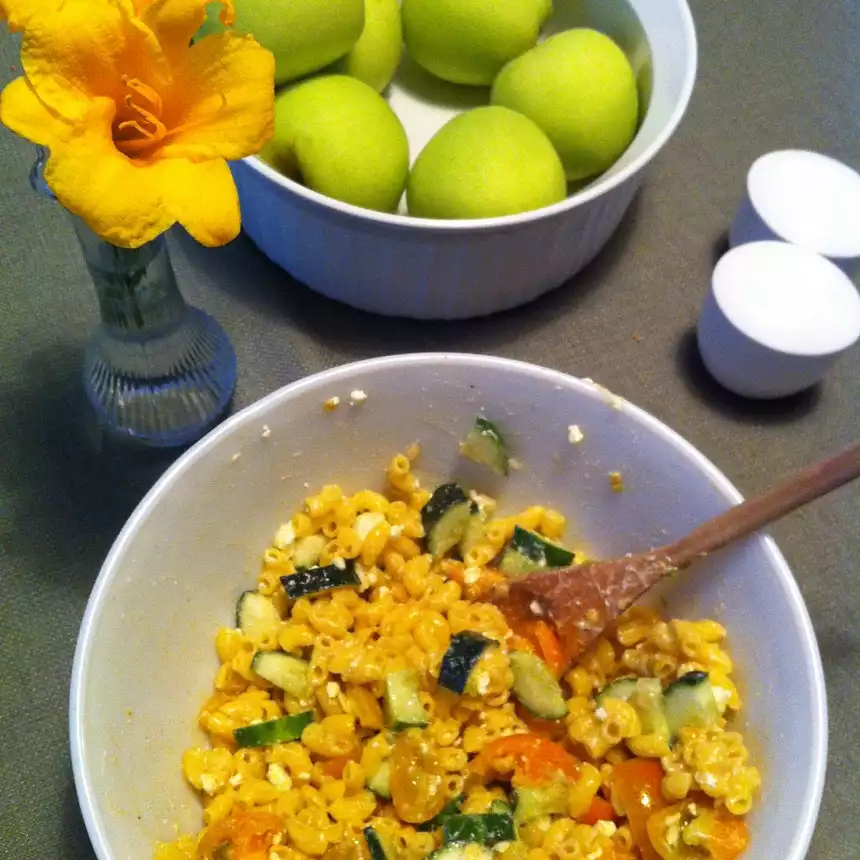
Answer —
(277, 731)
(380, 782)
(487, 829)
(402, 701)
(256, 615)
(445, 518)
(376, 844)
(462, 851)
(460, 659)
(528, 551)
(486, 445)
(535, 686)
(316, 580)
(690, 702)
(284, 671)
(536, 801)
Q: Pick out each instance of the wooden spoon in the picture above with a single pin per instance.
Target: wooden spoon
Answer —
(582, 600)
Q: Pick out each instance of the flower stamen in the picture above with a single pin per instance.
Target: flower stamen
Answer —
(142, 128)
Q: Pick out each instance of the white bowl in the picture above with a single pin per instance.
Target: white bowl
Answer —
(776, 318)
(145, 657)
(431, 269)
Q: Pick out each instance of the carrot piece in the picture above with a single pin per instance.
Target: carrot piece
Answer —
(550, 647)
(600, 810)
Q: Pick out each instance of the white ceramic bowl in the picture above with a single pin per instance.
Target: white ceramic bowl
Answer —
(430, 269)
(145, 657)
(776, 319)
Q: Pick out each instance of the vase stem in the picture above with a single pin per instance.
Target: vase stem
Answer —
(156, 371)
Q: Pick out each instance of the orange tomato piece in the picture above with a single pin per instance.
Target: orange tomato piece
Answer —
(245, 835)
(636, 789)
(599, 810)
(531, 759)
(417, 780)
(550, 647)
(703, 835)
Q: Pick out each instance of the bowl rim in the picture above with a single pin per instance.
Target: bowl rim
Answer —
(477, 225)
(87, 799)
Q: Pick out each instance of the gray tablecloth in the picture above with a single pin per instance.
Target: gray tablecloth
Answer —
(772, 75)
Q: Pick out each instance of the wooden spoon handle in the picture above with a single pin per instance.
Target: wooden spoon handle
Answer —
(801, 488)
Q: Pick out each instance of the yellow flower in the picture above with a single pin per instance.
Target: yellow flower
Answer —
(138, 123)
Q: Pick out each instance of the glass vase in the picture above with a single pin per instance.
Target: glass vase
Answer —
(156, 371)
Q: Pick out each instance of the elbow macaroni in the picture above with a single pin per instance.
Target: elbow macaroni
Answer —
(403, 617)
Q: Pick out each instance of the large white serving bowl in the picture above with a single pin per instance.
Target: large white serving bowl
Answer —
(145, 658)
(434, 269)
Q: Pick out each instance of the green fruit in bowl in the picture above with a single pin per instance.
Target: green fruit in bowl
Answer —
(338, 136)
(374, 58)
(485, 163)
(303, 35)
(580, 88)
(469, 41)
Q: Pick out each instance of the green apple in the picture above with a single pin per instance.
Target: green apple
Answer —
(338, 136)
(303, 35)
(484, 163)
(374, 58)
(579, 87)
(469, 41)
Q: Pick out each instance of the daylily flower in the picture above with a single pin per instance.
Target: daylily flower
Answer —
(139, 124)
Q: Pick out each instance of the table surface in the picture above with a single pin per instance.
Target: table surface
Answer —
(772, 75)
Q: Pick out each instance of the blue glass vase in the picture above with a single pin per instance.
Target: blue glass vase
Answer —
(156, 371)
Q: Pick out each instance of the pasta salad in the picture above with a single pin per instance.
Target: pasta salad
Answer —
(370, 704)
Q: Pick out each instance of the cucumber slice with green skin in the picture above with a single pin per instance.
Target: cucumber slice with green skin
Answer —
(460, 659)
(307, 551)
(646, 696)
(256, 615)
(376, 845)
(648, 701)
(621, 688)
(403, 702)
(536, 801)
(690, 702)
(462, 851)
(282, 730)
(452, 807)
(284, 671)
(501, 807)
(535, 686)
(445, 518)
(528, 551)
(380, 782)
(486, 445)
(316, 580)
(475, 530)
(487, 829)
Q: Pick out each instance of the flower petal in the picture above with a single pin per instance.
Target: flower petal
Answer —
(122, 200)
(203, 198)
(26, 114)
(83, 49)
(222, 105)
(175, 22)
(17, 13)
